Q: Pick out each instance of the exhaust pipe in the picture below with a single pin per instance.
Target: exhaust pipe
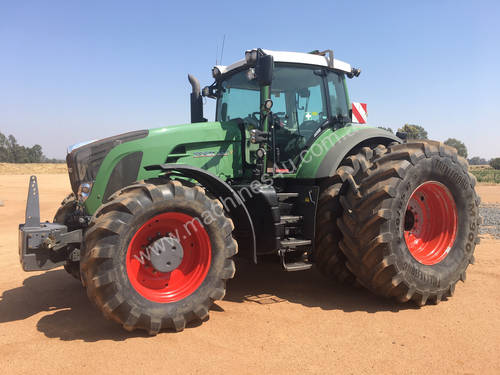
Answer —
(196, 101)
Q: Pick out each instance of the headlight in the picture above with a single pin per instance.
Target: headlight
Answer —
(215, 72)
(84, 191)
(251, 57)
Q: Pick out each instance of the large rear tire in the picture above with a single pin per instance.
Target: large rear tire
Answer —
(328, 257)
(410, 221)
(128, 284)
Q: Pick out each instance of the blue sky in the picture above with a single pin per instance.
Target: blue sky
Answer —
(72, 71)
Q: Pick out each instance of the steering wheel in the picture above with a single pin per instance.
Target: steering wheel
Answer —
(279, 118)
(252, 119)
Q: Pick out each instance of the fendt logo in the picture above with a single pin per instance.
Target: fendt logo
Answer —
(208, 154)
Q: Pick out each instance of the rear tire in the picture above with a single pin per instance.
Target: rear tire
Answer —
(328, 257)
(394, 252)
(129, 290)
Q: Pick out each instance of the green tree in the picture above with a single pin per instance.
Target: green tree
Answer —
(13, 149)
(384, 128)
(476, 160)
(458, 145)
(4, 153)
(19, 154)
(495, 163)
(12, 152)
(414, 131)
(35, 154)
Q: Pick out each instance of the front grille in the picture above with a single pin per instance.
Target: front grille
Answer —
(84, 162)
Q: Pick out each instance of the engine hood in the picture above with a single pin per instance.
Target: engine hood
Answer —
(115, 162)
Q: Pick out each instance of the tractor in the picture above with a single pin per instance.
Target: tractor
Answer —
(156, 218)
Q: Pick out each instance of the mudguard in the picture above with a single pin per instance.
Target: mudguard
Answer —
(337, 153)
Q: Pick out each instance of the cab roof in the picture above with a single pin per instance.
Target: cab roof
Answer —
(295, 58)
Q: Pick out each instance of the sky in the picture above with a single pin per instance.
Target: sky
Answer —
(72, 71)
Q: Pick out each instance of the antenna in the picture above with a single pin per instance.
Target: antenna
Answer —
(216, 52)
(222, 50)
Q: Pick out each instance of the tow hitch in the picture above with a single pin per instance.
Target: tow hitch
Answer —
(43, 246)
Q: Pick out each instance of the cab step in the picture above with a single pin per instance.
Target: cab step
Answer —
(296, 266)
(299, 265)
(294, 242)
(285, 196)
(290, 219)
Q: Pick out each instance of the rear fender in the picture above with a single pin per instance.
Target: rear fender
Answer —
(344, 146)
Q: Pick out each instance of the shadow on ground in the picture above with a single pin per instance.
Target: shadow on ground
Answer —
(75, 318)
(266, 283)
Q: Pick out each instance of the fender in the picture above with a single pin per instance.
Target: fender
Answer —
(337, 153)
(222, 190)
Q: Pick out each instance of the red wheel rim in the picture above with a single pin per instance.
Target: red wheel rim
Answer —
(430, 225)
(165, 287)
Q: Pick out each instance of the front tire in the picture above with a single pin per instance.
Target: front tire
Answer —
(135, 290)
(63, 216)
(410, 222)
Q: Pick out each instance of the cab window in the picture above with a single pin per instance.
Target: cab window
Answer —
(338, 100)
(301, 109)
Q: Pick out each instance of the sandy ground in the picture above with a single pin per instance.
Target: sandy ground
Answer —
(270, 321)
(37, 168)
(489, 193)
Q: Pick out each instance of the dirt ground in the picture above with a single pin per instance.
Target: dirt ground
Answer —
(24, 168)
(270, 321)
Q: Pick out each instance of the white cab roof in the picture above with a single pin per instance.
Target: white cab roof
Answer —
(293, 57)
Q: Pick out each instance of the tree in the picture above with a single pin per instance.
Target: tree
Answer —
(35, 154)
(388, 129)
(4, 154)
(476, 160)
(495, 163)
(414, 131)
(458, 145)
(12, 152)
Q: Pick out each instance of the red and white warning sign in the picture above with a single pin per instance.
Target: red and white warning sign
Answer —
(359, 113)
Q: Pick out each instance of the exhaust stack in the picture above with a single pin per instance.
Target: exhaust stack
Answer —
(196, 101)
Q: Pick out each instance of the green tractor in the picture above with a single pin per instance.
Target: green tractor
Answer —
(157, 217)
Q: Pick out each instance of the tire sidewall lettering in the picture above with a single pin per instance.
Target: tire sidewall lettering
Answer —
(442, 170)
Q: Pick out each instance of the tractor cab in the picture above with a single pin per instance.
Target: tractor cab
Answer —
(290, 97)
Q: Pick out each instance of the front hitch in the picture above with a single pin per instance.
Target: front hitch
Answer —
(43, 246)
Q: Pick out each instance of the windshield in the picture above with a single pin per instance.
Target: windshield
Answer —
(298, 95)
(304, 98)
(239, 98)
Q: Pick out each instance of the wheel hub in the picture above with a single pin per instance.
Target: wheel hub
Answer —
(166, 254)
(169, 237)
(430, 224)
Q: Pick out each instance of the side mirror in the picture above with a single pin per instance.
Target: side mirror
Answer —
(209, 92)
(264, 70)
